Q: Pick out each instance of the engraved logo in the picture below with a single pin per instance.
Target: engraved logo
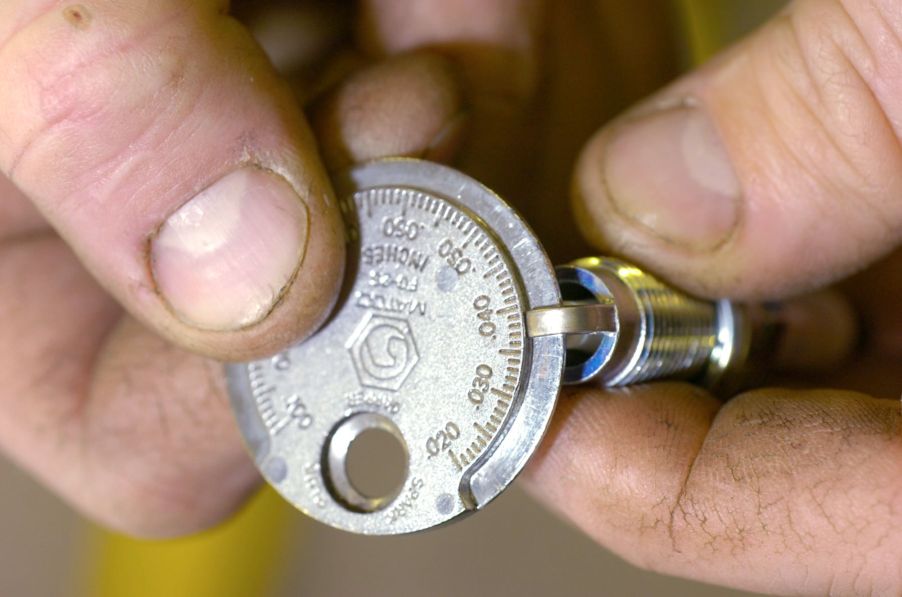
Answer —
(383, 352)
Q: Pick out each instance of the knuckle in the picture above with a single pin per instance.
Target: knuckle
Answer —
(837, 87)
(795, 474)
(87, 81)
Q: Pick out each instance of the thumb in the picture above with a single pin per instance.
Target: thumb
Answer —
(157, 140)
(774, 169)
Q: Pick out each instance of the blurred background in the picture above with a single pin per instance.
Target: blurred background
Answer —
(513, 548)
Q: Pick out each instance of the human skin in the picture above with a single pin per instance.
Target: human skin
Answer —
(138, 135)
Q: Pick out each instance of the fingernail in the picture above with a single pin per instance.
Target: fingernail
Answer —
(224, 259)
(670, 172)
(448, 141)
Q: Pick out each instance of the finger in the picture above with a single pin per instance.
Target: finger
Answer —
(494, 45)
(158, 437)
(408, 105)
(133, 431)
(160, 144)
(497, 52)
(874, 294)
(296, 36)
(817, 332)
(779, 492)
(771, 170)
(536, 76)
(17, 215)
(309, 43)
(596, 58)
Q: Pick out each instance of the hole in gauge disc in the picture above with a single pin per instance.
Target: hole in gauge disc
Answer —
(376, 464)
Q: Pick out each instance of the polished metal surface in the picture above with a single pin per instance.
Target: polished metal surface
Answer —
(339, 447)
(454, 335)
(660, 332)
(573, 318)
(429, 336)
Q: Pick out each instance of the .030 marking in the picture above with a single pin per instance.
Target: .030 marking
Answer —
(480, 385)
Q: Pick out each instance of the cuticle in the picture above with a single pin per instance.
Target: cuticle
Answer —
(685, 102)
(149, 260)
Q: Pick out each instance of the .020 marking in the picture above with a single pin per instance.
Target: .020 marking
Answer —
(442, 440)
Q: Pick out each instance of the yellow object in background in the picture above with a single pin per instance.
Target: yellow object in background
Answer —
(709, 25)
(244, 556)
(240, 558)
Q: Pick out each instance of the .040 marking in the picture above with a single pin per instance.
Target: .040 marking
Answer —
(486, 326)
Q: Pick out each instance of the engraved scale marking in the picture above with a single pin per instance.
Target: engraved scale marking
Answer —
(432, 269)
(479, 268)
(508, 312)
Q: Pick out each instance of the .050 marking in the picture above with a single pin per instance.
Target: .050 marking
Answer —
(454, 257)
(401, 227)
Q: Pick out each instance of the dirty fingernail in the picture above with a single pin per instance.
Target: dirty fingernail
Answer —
(226, 257)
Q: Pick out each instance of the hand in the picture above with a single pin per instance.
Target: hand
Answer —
(771, 171)
(165, 205)
(148, 422)
(162, 167)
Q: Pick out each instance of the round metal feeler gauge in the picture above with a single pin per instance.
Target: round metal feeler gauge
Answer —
(451, 341)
